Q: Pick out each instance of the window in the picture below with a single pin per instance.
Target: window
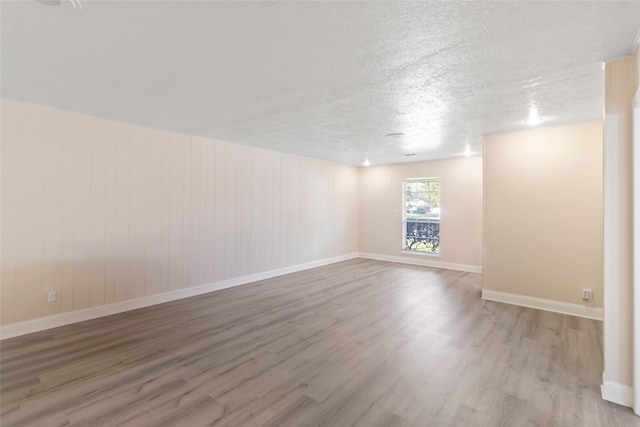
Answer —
(421, 215)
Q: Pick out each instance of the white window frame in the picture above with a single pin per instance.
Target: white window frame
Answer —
(404, 215)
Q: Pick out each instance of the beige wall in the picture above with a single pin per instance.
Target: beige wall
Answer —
(543, 213)
(637, 66)
(103, 211)
(620, 88)
(461, 198)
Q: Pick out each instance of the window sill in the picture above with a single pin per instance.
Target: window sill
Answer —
(429, 254)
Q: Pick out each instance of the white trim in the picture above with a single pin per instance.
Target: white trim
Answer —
(424, 178)
(421, 253)
(635, 150)
(424, 261)
(406, 181)
(543, 304)
(42, 323)
(617, 393)
(611, 330)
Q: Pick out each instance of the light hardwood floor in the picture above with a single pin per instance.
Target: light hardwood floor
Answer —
(362, 342)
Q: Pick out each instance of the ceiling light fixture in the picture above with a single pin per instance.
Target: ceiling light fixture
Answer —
(366, 162)
(49, 2)
(534, 118)
(394, 134)
(75, 4)
(467, 151)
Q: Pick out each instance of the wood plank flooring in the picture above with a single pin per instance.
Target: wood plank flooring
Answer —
(359, 343)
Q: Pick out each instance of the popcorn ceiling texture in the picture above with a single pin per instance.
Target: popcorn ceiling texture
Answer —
(321, 79)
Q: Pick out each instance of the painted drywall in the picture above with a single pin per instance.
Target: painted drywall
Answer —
(461, 214)
(102, 211)
(637, 59)
(543, 213)
(620, 88)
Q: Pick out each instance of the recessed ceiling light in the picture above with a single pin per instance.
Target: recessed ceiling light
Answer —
(395, 134)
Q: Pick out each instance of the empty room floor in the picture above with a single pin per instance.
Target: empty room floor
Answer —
(361, 342)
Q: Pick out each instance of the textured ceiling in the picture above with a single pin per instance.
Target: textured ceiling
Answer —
(321, 79)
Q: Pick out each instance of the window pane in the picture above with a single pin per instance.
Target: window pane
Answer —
(422, 215)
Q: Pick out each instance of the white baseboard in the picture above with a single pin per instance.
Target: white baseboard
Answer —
(617, 393)
(42, 323)
(426, 262)
(544, 304)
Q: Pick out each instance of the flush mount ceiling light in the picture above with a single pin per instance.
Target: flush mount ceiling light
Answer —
(366, 162)
(467, 151)
(75, 4)
(534, 118)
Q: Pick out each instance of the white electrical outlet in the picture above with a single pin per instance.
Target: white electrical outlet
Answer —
(53, 296)
(586, 295)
